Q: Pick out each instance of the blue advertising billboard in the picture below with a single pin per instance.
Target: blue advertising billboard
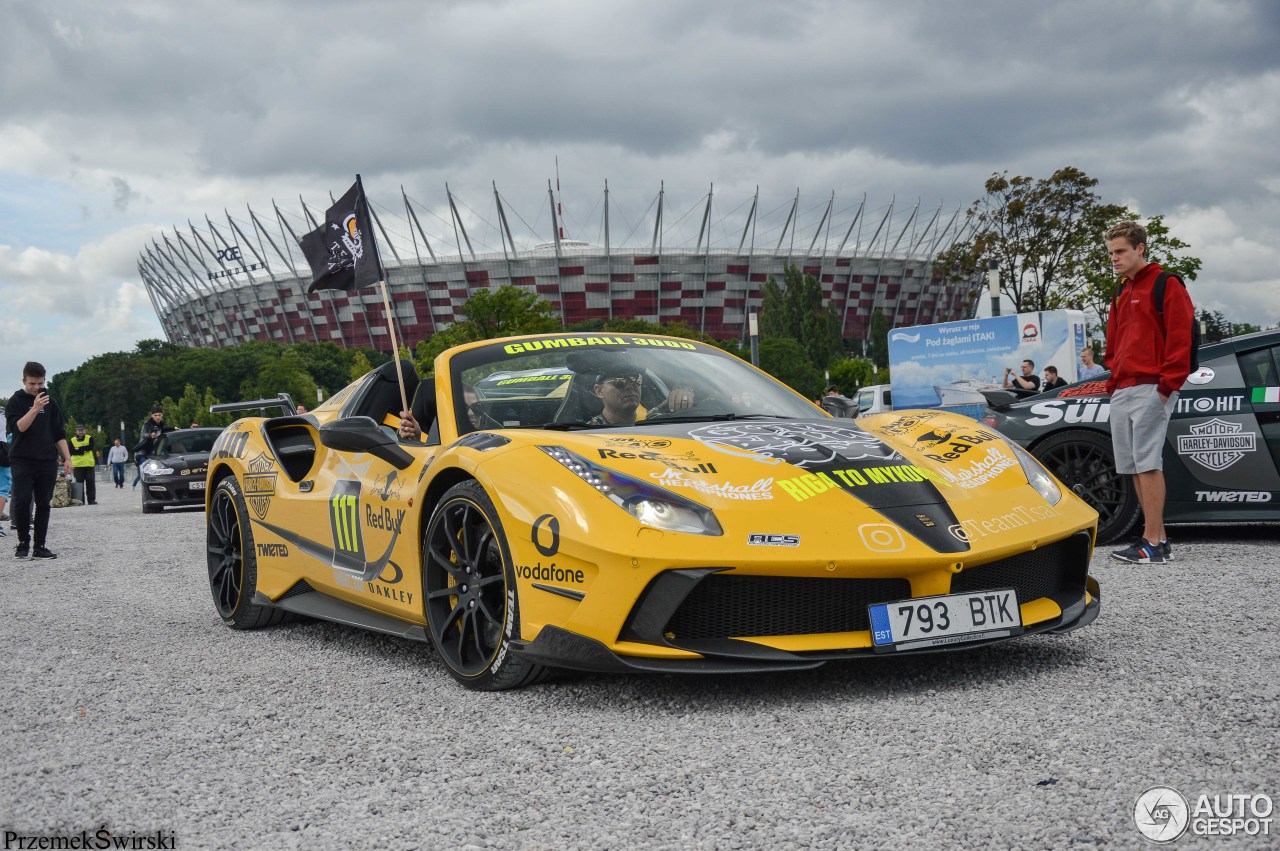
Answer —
(947, 364)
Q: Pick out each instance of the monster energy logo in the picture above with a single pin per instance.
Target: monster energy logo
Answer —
(344, 517)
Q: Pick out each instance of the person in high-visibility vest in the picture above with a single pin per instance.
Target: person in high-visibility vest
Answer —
(82, 461)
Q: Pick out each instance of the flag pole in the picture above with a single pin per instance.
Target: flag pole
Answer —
(395, 345)
(386, 299)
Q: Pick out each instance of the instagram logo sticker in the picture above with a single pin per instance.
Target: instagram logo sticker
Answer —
(882, 537)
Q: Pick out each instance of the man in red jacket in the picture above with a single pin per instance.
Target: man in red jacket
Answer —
(1150, 357)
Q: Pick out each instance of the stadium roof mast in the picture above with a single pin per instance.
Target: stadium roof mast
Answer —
(706, 257)
(221, 305)
(559, 210)
(750, 224)
(142, 273)
(504, 232)
(777, 251)
(412, 218)
(880, 266)
(288, 260)
(230, 273)
(261, 258)
(897, 302)
(924, 235)
(555, 233)
(555, 221)
(608, 254)
(818, 231)
(178, 279)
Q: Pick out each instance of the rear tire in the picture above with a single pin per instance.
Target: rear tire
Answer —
(233, 564)
(1084, 462)
(469, 593)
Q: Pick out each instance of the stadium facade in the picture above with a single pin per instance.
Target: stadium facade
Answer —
(244, 278)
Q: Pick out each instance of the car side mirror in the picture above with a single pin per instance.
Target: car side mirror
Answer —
(363, 434)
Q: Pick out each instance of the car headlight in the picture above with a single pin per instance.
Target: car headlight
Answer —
(155, 468)
(1037, 476)
(650, 505)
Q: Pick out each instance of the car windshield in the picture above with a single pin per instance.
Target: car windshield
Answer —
(566, 382)
(186, 442)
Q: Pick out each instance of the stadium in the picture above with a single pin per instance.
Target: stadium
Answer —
(700, 261)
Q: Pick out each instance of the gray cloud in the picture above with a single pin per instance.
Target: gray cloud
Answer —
(159, 112)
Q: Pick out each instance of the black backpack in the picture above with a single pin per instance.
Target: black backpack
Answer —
(1157, 294)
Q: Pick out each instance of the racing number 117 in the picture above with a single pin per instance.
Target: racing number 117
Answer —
(923, 613)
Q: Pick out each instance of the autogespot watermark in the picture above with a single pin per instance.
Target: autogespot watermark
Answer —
(1162, 814)
(103, 837)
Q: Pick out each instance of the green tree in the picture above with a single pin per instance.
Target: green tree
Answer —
(794, 310)
(329, 365)
(507, 311)
(107, 390)
(878, 339)
(426, 352)
(786, 360)
(187, 410)
(1039, 231)
(504, 312)
(193, 407)
(359, 367)
(281, 374)
(853, 373)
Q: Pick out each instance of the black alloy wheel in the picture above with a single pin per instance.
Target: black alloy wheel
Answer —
(1084, 462)
(469, 593)
(233, 567)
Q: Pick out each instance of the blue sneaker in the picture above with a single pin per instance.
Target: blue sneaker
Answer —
(1166, 550)
(1142, 552)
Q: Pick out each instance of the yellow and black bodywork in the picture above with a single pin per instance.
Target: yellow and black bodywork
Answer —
(750, 532)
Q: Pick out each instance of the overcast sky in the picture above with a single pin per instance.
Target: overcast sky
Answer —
(119, 120)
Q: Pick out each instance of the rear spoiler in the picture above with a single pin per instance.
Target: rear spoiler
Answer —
(1000, 399)
(283, 401)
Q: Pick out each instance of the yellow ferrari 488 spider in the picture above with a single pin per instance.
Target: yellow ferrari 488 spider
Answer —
(607, 502)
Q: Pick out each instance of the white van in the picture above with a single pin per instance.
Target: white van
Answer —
(875, 399)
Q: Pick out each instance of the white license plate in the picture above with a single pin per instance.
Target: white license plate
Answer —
(196, 486)
(949, 619)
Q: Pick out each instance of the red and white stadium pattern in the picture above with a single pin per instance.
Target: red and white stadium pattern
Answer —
(224, 285)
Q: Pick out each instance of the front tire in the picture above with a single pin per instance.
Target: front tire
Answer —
(1084, 462)
(469, 592)
(233, 564)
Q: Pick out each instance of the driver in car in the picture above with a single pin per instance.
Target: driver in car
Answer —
(619, 392)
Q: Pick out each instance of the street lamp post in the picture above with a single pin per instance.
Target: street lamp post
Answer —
(993, 285)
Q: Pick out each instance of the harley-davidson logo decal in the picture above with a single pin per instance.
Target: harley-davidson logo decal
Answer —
(260, 485)
(1217, 444)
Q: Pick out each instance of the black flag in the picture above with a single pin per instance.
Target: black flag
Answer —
(342, 252)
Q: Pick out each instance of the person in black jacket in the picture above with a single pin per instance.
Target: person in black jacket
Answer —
(1052, 380)
(39, 440)
(152, 430)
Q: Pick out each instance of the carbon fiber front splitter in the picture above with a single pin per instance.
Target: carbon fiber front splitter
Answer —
(560, 648)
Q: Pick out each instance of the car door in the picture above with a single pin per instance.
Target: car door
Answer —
(1220, 463)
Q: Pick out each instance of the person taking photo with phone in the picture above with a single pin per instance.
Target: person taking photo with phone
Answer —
(39, 442)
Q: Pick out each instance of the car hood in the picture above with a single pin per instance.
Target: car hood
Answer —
(763, 467)
(195, 460)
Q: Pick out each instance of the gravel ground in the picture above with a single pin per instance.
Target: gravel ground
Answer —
(126, 703)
